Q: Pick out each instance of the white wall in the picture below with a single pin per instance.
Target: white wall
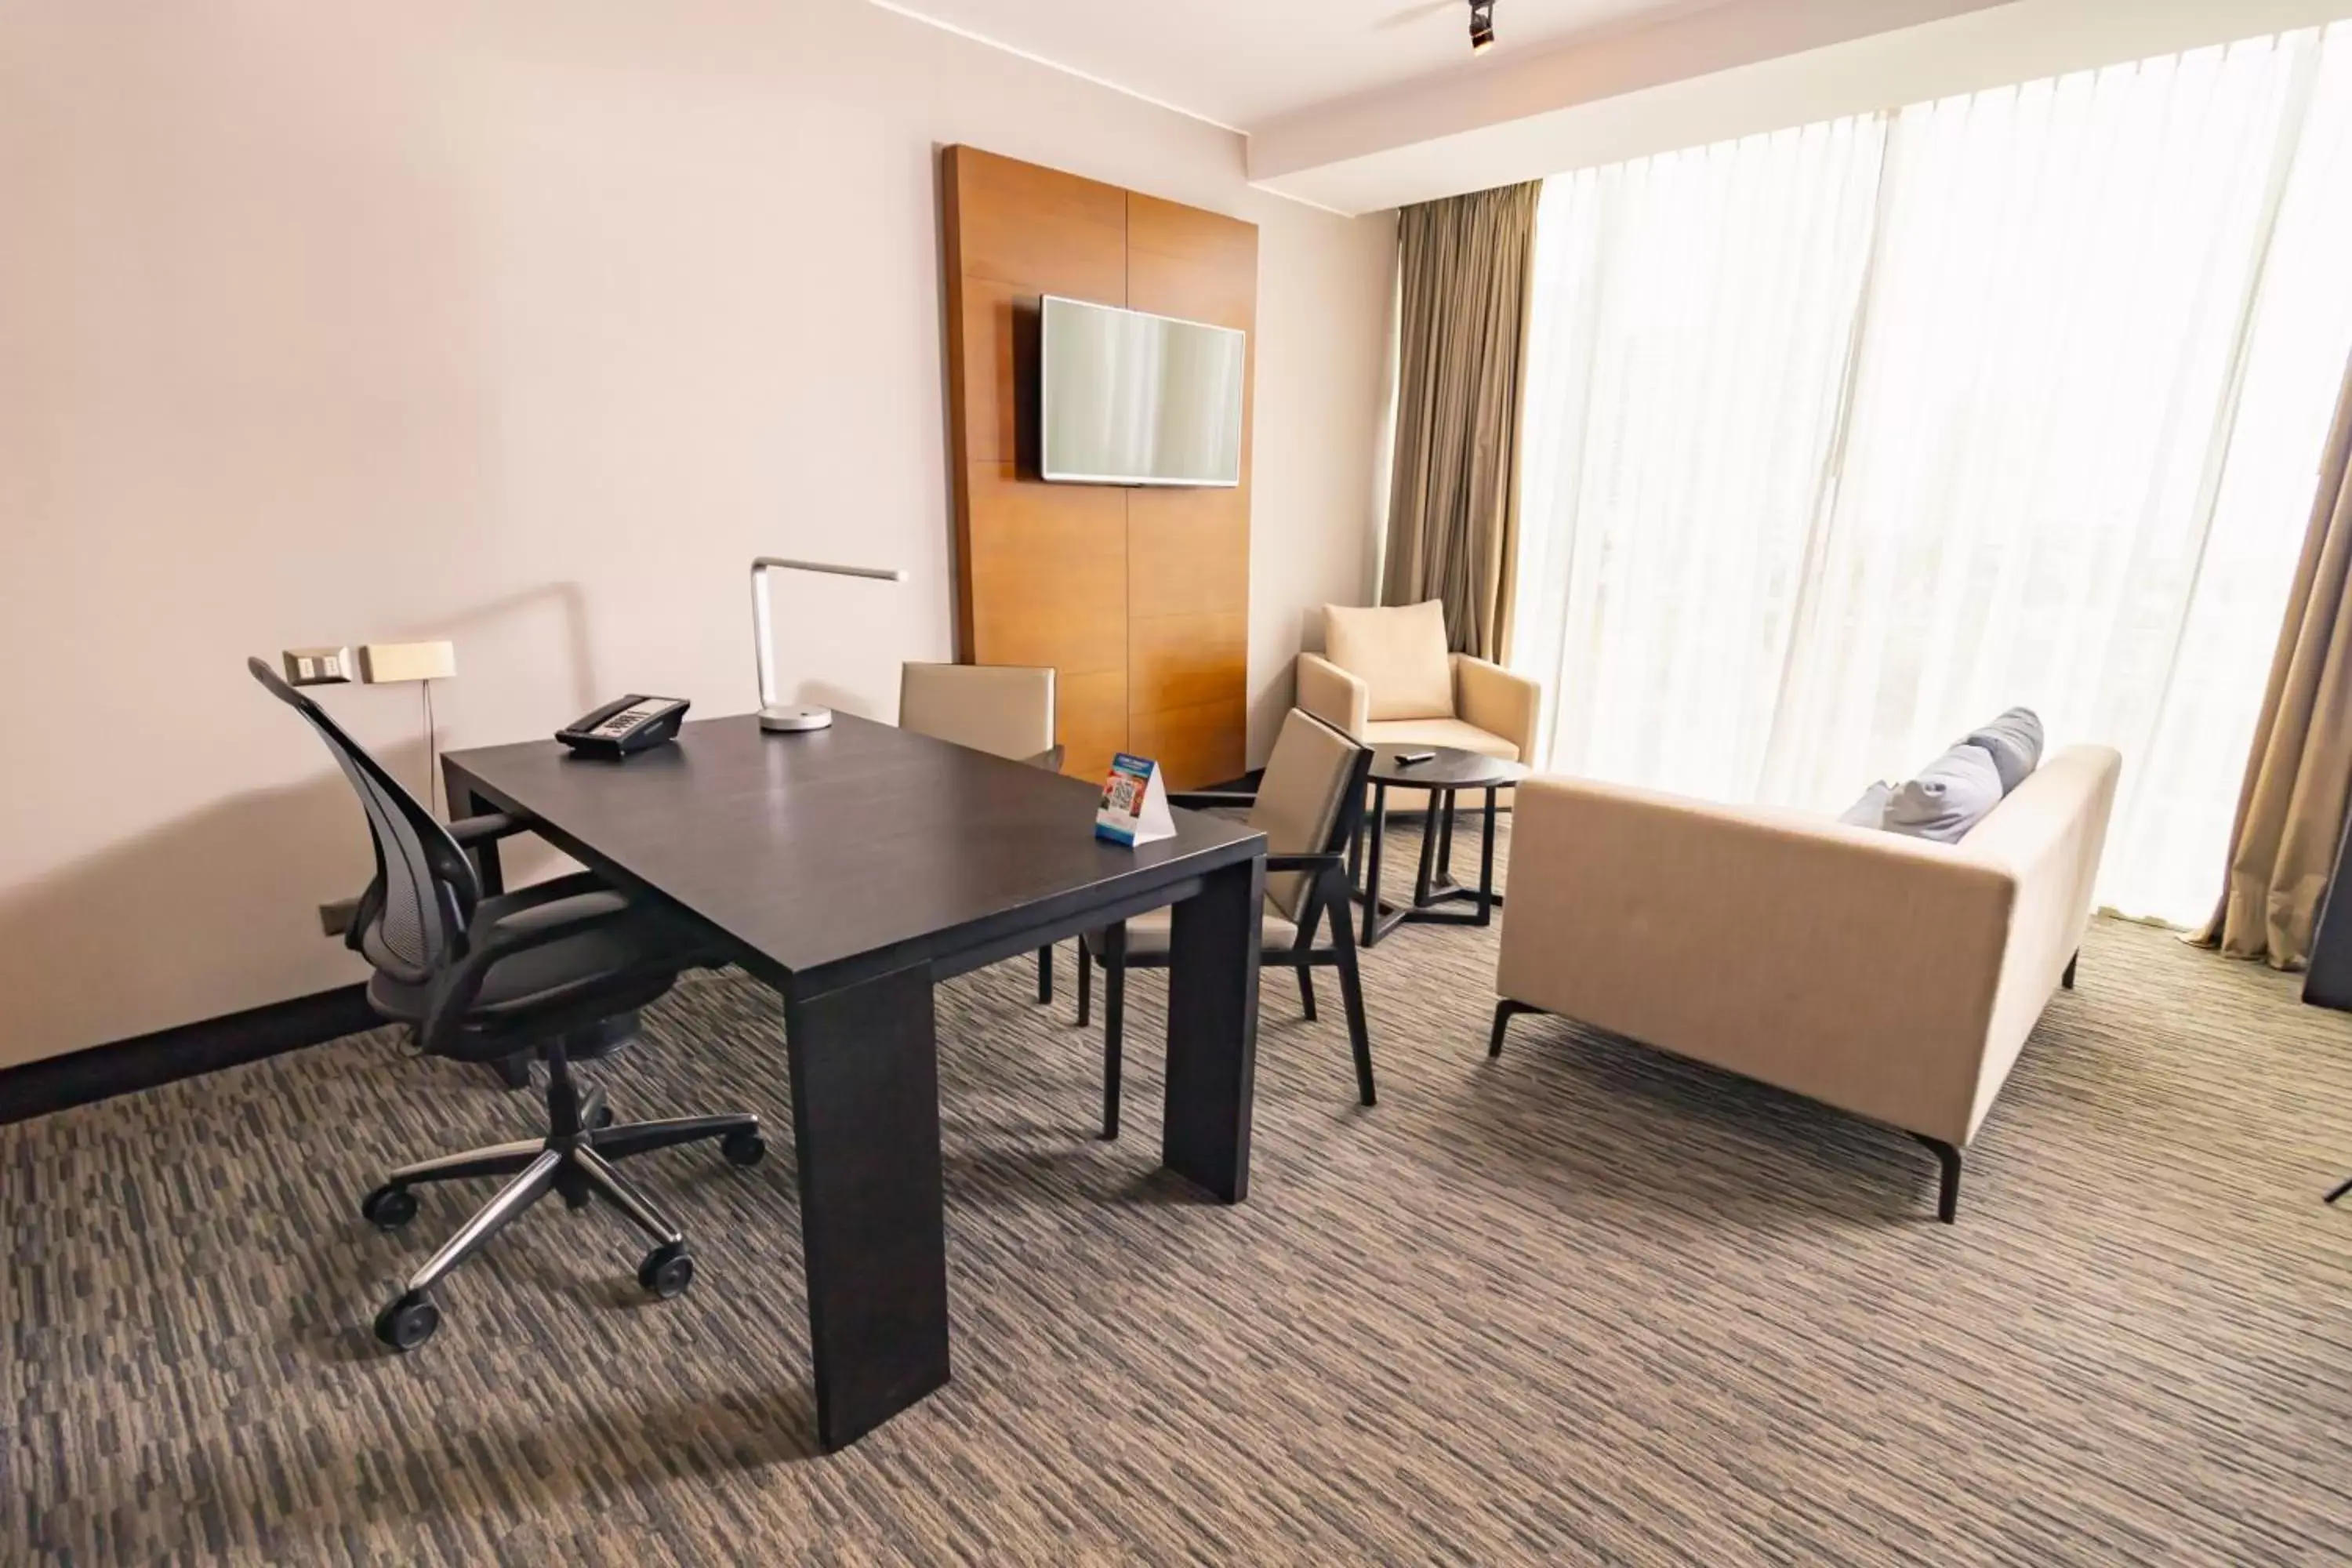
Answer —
(525, 325)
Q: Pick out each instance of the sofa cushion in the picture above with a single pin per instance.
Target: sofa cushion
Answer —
(1399, 655)
(2014, 741)
(1950, 796)
(1869, 811)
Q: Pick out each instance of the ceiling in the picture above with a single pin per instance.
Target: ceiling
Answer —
(1357, 106)
(1242, 63)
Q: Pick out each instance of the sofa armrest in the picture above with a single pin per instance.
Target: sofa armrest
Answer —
(1855, 967)
(2047, 835)
(1497, 702)
(1334, 696)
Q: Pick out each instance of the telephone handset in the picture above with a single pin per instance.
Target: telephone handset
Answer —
(630, 725)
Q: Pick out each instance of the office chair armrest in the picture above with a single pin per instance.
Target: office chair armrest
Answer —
(1213, 799)
(470, 831)
(1328, 862)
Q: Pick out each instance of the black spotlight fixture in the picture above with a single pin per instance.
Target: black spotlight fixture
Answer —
(1481, 26)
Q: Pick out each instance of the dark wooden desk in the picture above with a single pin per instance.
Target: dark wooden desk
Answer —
(852, 869)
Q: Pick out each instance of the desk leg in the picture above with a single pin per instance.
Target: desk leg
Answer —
(866, 1132)
(1213, 1030)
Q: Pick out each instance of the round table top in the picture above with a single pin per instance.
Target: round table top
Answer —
(1449, 768)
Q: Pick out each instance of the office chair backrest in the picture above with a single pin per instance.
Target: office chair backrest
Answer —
(423, 893)
(1306, 786)
(1004, 710)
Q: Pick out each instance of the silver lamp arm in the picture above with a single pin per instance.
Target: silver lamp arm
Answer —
(774, 714)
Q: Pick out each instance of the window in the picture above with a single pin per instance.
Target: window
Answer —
(1841, 439)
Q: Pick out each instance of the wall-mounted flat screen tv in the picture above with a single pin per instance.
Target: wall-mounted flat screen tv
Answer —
(1127, 399)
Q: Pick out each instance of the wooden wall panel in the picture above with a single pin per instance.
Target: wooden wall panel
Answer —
(1138, 597)
(1188, 557)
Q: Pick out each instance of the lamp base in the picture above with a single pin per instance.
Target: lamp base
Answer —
(782, 719)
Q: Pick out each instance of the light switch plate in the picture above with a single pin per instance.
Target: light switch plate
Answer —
(387, 661)
(318, 666)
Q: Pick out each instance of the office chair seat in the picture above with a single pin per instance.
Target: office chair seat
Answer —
(607, 961)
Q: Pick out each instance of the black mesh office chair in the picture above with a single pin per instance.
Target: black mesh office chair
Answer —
(557, 970)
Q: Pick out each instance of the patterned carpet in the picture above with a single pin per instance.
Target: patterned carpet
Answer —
(1585, 1304)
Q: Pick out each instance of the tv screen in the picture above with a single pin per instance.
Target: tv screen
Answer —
(1134, 399)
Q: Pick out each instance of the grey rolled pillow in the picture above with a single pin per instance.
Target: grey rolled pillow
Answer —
(1869, 811)
(2014, 741)
(1951, 795)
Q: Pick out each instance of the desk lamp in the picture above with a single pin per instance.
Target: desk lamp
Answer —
(775, 715)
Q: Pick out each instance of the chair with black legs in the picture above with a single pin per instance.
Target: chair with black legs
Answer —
(1307, 803)
(558, 970)
(1004, 710)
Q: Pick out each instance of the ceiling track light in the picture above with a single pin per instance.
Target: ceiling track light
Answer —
(1481, 26)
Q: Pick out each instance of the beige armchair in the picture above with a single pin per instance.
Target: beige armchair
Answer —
(1386, 679)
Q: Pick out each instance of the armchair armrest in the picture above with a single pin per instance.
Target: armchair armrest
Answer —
(1857, 967)
(1497, 702)
(1319, 861)
(1334, 696)
(1213, 799)
(470, 831)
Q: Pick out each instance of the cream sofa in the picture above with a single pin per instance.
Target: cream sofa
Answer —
(1888, 976)
(1387, 679)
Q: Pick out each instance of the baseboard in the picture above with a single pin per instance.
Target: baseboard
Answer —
(144, 1061)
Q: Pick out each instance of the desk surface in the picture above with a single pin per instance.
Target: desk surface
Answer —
(860, 848)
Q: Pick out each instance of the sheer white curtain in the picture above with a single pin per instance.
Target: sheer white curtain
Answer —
(2036, 421)
(1687, 363)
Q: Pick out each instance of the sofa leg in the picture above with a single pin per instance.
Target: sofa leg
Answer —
(2067, 979)
(1505, 1011)
(1948, 1199)
(2342, 1188)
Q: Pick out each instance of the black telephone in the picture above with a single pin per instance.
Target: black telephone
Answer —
(630, 725)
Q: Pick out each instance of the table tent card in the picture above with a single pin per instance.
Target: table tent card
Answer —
(1134, 803)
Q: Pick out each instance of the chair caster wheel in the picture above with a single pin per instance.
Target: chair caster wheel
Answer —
(408, 1322)
(602, 1119)
(744, 1147)
(389, 1208)
(666, 1271)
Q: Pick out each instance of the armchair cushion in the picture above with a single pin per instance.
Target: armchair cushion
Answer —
(1399, 653)
(1148, 935)
(1458, 733)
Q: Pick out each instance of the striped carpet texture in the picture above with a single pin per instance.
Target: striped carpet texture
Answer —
(1587, 1304)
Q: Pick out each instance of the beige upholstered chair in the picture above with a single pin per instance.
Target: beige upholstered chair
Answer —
(1004, 710)
(1386, 678)
(1308, 803)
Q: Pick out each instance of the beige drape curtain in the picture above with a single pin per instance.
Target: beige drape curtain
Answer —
(2298, 780)
(1466, 265)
